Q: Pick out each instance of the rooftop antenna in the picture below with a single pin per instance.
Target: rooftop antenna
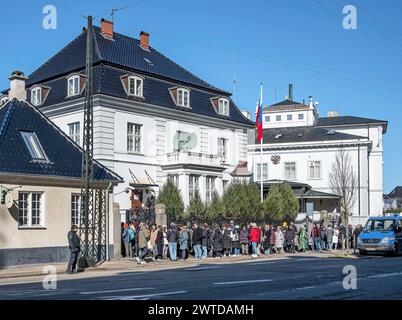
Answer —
(114, 10)
(275, 95)
(234, 79)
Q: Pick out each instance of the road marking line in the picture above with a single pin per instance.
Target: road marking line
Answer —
(384, 275)
(244, 281)
(202, 268)
(144, 296)
(305, 288)
(117, 290)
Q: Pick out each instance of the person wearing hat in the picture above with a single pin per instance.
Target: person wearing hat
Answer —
(75, 248)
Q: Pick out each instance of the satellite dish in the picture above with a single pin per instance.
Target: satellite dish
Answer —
(9, 200)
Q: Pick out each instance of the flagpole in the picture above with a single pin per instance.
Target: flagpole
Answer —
(261, 141)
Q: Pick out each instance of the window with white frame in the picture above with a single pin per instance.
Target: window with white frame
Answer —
(223, 106)
(290, 171)
(75, 209)
(278, 118)
(301, 116)
(210, 187)
(33, 145)
(135, 86)
(183, 97)
(264, 172)
(30, 208)
(193, 185)
(314, 169)
(222, 148)
(267, 118)
(73, 84)
(36, 96)
(289, 117)
(134, 133)
(74, 132)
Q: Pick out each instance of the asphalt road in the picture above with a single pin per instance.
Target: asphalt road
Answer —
(293, 278)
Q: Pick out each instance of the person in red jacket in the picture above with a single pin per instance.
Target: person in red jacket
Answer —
(254, 238)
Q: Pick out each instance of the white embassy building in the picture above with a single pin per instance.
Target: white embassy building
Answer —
(153, 119)
(300, 147)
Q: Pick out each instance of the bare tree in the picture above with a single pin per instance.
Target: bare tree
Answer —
(343, 182)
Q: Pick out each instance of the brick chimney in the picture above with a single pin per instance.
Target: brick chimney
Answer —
(144, 40)
(17, 86)
(107, 28)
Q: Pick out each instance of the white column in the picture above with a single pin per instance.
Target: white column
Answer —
(202, 186)
(219, 185)
(184, 186)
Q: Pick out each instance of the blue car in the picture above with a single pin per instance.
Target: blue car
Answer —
(382, 235)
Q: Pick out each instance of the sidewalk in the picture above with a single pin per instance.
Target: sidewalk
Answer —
(131, 264)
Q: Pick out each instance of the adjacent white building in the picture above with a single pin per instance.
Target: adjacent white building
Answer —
(299, 146)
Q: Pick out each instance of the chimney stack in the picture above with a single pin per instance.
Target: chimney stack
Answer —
(144, 40)
(17, 86)
(107, 28)
(290, 91)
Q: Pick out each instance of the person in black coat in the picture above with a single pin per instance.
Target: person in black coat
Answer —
(217, 239)
(75, 248)
(159, 243)
(197, 241)
(226, 241)
(290, 239)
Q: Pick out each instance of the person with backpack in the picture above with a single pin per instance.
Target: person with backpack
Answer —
(131, 240)
(126, 240)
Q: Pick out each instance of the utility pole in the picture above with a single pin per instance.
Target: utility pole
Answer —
(87, 192)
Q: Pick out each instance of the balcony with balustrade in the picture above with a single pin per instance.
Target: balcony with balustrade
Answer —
(192, 160)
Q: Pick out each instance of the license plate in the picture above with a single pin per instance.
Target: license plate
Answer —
(371, 249)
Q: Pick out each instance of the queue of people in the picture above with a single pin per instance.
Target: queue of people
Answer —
(202, 241)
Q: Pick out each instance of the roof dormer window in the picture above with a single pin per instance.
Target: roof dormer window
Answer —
(135, 86)
(73, 84)
(223, 106)
(36, 96)
(33, 145)
(183, 97)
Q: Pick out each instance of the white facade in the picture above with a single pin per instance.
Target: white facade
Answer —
(311, 162)
(157, 154)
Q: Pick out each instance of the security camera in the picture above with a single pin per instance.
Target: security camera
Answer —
(128, 189)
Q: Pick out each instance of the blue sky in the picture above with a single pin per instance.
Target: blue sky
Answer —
(277, 42)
